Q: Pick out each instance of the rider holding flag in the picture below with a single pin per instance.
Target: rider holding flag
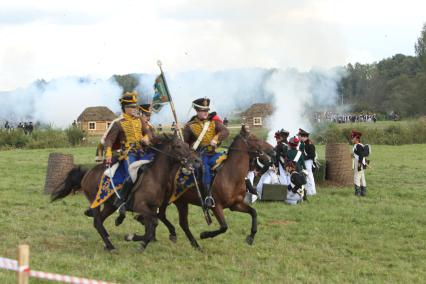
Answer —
(204, 132)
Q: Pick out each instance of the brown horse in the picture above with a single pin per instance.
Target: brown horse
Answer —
(228, 190)
(149, 190)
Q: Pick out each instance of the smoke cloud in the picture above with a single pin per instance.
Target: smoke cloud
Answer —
(58, 102)
(291, 92)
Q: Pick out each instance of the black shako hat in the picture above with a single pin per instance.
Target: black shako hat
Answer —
(201, 104)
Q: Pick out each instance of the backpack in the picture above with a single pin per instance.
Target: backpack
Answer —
(367, 150)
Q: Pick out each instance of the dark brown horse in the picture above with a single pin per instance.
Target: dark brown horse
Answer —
(228, 190)
(149, 190)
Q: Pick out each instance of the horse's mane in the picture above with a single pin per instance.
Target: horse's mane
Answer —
(160, 140)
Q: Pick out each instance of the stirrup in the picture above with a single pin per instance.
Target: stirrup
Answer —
(212, 201)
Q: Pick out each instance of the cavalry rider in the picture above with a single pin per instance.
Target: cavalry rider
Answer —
(309, 156)
(360, 151)
(204, 132)
(296, 188)
(281, 154)
(127, 132)
(294, 154)
(145, 116)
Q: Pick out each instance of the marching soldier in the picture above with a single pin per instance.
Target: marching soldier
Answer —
(204, 132)
(309, 158)
(360, 152)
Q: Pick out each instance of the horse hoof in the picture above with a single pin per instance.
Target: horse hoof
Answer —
(204, 235)
(250, 240)
(154, 240)
(142, 247)
(129, 237)
(173, 238)
(110, 248)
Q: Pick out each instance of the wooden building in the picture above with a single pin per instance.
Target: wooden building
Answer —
(255, 115)
(95, 120)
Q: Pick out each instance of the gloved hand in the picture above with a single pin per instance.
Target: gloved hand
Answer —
(108, 161)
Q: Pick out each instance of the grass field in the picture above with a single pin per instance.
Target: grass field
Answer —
(335, 238)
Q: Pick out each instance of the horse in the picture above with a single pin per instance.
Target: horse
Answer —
(228, 188)
(148, 192)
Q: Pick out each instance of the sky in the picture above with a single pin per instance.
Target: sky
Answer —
(53, 39)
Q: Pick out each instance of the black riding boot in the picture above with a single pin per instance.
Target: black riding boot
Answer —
(357, 190)
(363, 190)
(250, 187)
(208, 201)
(120, 203)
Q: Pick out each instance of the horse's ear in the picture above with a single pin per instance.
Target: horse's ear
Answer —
(245, 130)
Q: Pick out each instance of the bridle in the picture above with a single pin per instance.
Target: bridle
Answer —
(182, 159)
(256, 153)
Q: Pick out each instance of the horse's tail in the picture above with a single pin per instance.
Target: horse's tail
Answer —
(71, 184)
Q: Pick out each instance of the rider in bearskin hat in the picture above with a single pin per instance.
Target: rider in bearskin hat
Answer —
(204, 132)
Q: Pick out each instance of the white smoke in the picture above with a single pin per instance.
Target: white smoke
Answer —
(296, 94)
(58, 102)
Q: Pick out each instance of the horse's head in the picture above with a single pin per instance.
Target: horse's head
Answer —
(180, 151)
(257, 148)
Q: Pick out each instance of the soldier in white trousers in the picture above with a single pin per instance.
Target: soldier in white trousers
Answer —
(309, 155)
(360, 152)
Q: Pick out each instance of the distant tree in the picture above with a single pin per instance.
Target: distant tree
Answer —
(420, 47)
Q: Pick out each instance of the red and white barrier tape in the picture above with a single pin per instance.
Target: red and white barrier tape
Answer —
(12, 264)
(7, 263)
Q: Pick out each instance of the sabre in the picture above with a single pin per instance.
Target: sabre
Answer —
(112, 183)
(205, 210)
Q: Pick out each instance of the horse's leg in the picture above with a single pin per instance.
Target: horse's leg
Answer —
(218, 213)
(183, 222)
(150, 220)
(242, 207)
(98, 220)
(162, 216)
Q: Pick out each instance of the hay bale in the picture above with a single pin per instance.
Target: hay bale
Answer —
(339, 164)
(58, 166)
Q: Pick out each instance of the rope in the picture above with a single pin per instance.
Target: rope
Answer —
(11, 264)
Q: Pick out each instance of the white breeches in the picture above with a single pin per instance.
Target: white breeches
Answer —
(359, 177)
(250, 176)
(284, 176)
(270, 177)
(293, 198)
(310, 181)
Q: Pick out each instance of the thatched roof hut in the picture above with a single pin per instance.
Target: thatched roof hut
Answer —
(95, 120)
(256, 113)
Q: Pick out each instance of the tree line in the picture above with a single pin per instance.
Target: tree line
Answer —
(396, 84)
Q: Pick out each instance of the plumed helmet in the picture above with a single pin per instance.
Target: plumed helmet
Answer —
(129, 99)
(201, 104)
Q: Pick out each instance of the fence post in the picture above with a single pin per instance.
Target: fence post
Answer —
(23, 264)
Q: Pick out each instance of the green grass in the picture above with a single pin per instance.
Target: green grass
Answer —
(334, 238)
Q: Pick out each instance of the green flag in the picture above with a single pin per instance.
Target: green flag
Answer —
(161, 96)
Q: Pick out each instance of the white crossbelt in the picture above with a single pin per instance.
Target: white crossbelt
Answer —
(202, 134)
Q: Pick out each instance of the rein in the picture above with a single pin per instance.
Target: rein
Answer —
(242, 150)
(165, 153)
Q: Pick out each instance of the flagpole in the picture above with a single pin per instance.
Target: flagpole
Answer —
(179, 131)
(172, 105)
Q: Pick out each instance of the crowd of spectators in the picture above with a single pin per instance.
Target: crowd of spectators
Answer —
(27, 127)
(344, 117)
